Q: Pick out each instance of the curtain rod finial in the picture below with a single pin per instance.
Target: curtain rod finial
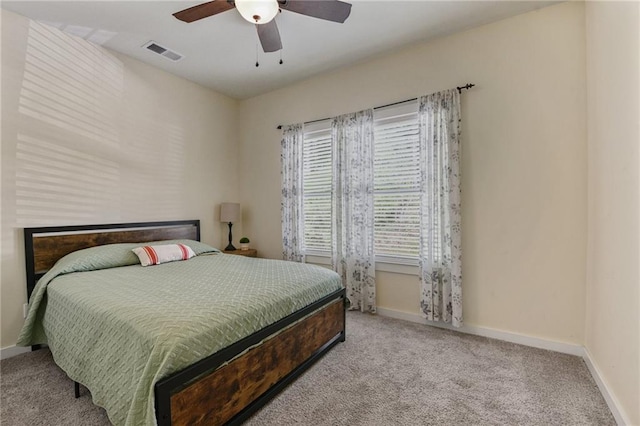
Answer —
(466, 86)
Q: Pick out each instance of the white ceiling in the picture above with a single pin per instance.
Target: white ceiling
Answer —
(220, 51)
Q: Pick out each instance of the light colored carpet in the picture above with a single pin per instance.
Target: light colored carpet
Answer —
(388, 372)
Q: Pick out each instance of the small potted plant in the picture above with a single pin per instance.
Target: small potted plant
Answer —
(244, 243)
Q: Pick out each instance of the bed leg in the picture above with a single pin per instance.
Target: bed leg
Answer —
(76, 389)
(345, 306)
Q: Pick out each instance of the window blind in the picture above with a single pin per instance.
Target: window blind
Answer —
(397, 182)
(396, 185)
(317, 169)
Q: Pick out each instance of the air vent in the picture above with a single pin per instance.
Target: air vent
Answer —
(163, 51)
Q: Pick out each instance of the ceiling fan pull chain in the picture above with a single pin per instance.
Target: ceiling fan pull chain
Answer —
(257, 63)
(281, 57)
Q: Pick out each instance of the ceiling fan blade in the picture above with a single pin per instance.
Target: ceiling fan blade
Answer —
(269, 36)
(204, 10)
(329, 10)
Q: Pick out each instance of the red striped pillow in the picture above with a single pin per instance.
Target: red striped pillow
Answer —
(155, 255)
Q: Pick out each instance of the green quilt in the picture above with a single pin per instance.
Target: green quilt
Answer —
(118, 327)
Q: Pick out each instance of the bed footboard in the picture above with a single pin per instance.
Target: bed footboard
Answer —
(207, 394)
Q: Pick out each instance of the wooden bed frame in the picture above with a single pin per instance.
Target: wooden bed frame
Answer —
(228, 386)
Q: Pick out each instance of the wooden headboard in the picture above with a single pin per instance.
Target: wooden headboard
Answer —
(44, 246)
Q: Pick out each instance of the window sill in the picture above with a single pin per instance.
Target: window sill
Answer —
(383, 264)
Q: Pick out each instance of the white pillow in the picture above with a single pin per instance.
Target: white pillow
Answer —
(155, 255)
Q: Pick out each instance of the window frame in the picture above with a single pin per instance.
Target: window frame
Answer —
(384, 262)
(397, 111)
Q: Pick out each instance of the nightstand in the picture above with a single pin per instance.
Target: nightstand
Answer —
(246, 253)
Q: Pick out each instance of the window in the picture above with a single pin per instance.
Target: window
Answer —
(396, 185)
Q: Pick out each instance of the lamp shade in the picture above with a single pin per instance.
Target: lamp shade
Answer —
(257, 11)
(229, 212)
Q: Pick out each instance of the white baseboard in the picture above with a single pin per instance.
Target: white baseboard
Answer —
(619, 414)
(566, 348)
(10, 351)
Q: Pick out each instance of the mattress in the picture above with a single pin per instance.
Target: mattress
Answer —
(118, 327)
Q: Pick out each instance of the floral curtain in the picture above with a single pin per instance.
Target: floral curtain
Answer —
(352, 205)
(291, 212)
(440, 244)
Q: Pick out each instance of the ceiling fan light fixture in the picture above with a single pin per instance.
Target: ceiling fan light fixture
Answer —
(257, 11)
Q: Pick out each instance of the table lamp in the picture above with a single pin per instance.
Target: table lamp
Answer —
(229, 212)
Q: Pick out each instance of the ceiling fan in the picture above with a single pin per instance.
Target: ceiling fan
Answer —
(262, 12)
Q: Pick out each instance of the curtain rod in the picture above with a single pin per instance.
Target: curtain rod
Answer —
(460, 89)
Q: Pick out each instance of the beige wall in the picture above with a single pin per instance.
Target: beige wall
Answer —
(524, 158)
(613, 253)
(89, 136)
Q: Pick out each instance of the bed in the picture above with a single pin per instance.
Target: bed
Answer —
(191, 356)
